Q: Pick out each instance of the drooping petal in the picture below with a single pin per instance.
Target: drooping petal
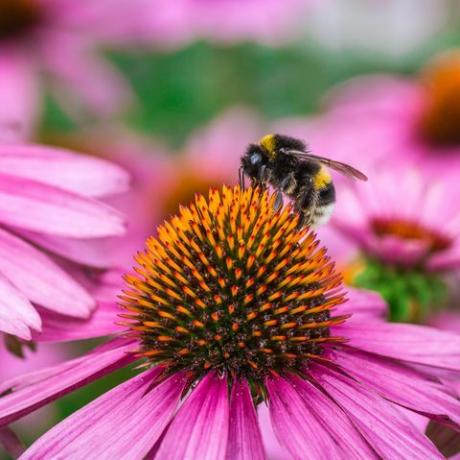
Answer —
(19, 93)
(363, 303)
(123, 423)
(200, 429)
(39, 207)
(401, 384)
(386, 429)
(405, 342)
(40, 279)
(60, 328)
(28, 392)
(244, 437)
(296, 428)
(350, 442)
(17, 314)
(95, 252)
(63, 169)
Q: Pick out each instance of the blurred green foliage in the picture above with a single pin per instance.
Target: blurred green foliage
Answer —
(410, 294)
(181, 90)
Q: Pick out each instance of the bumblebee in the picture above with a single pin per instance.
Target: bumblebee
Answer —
(284, 163)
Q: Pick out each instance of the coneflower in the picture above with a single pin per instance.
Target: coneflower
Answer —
(231, 307)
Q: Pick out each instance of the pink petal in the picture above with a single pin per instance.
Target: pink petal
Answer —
(28, 392)
(295, 426)
(17, 314)
(19, 94)
(363, 303)
(342, 431)
(123, 423)
(244, 437)
(200, 429)
(60, 328)
(82, 79)
(40, 279)
(38, 207)
(400, 384)
(63, 169)
(405, 342)
(389, 433)
(93, 252)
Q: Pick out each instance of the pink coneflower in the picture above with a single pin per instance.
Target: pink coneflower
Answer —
(232, 307)
(56, 39)
(52, 223)
(397, 118)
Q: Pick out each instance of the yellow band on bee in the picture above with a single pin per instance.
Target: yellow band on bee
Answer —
(322, 178)
(268, 142)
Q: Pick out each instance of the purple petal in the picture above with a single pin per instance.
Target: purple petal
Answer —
(350, 442)
(17, 314)
(40, 279)
(363, 303)
(295, 426)
(42, 208)
(63, 169)
(405, 342)
(28, 392)
(200, 429)
(123, 423)
(386, 429)
(60, 328)
(244, 437)
(400, 384)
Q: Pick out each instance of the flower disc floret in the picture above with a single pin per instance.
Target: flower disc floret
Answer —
(234, 286)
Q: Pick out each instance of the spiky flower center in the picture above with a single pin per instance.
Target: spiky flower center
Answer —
(18, 16)
(441, 113)
(409, 230)
(231, 285)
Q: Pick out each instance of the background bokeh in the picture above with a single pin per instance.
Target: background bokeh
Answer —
(202, 85)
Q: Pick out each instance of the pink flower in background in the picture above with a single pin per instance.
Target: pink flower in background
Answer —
(268, 21)
(217, 340)
(397, 119)
(52, 220)
(55, 39)
(403, 218)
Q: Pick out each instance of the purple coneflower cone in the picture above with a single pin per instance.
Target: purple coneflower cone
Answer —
(231, 309)
(54, 226)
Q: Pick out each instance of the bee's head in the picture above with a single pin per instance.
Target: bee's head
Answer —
(254, 158)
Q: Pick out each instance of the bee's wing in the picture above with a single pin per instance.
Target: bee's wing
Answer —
(343, 168)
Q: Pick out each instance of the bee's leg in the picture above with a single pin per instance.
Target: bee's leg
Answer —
(241, 178)
(288, 184)
(305, 204)
(263, 174)
(278, 200)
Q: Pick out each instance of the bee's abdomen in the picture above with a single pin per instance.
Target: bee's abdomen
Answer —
(325, 204)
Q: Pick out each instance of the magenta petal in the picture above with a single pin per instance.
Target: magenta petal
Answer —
(386, 429)
(350, 442)
(200, 429)
(123, 423)
(401, 384)
(43, 208)
(63, 169)
(295, 426)
(405, 342)
(244, 437)
(60, 328)
(363, 303)
(28, 392)
(17, 314)
(40, 279)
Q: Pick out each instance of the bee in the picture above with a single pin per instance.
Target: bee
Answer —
(284, 163)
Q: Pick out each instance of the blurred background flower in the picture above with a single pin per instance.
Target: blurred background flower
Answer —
(172, 92)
